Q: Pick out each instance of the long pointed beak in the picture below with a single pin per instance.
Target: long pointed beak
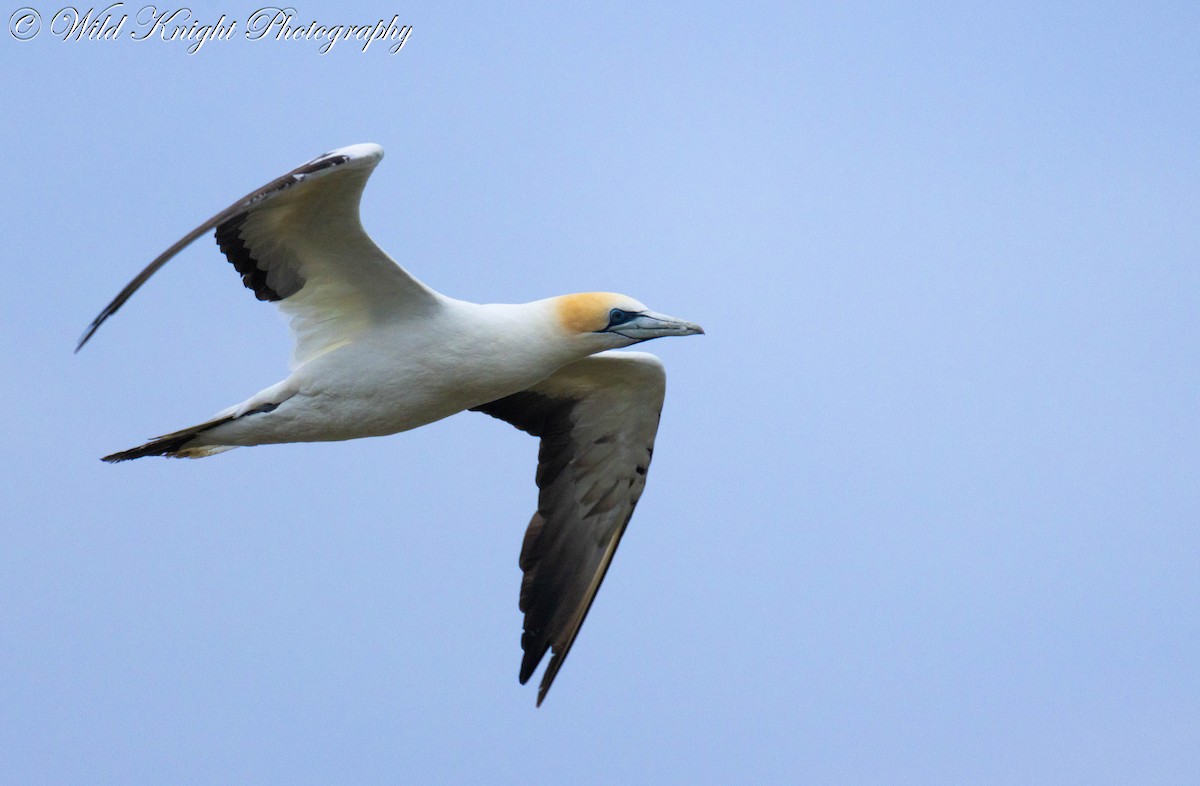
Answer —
(650, 324)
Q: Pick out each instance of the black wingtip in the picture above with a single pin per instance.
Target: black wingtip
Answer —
(87, 334)
(528, 665)
(108, 311)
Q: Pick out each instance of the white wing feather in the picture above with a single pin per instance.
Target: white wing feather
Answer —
(298, 240)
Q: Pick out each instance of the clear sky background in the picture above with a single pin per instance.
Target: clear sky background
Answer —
(925, 501)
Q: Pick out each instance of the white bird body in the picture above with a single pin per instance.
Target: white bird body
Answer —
(377, 352)
(395, 378)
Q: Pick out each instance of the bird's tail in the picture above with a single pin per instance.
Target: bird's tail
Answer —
(178, 444)
(175, 444)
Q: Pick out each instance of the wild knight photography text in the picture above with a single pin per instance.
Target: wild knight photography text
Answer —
(117, 21)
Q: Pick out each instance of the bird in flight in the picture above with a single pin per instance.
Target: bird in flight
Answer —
(378, 352)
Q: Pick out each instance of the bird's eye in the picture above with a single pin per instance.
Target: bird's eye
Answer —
(617, 316)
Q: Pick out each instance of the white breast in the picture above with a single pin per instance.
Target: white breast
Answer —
(409, 372)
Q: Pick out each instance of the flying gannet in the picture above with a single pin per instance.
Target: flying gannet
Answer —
(378, 352)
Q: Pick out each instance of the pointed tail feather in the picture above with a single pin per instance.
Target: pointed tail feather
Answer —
(174, 444)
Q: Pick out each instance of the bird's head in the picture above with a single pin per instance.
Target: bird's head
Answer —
(607, 320)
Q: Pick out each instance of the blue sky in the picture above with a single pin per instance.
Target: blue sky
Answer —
(924, 502)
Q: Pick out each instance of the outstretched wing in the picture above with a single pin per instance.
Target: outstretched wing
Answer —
(596, 419)
(298, 241)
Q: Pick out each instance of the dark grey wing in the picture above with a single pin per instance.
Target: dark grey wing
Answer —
(597, 419)
(298, 240)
